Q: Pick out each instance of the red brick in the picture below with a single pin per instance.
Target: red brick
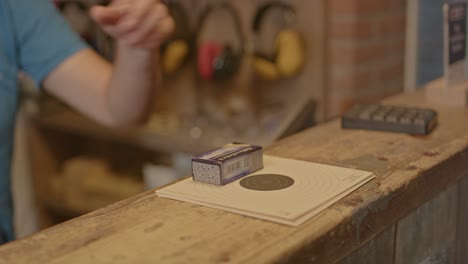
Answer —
(351, 81)
(392, 24)
(396, 4)
(396, 46)
(356, 55)
(373, 5)
(350, 30)
(383, 90)
(345, 104)
(353, 47)
(359, 6)
(391, 72)
(395, 89)
(342, 6)
(339, 104)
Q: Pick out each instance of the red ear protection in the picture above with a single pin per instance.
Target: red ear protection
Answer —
(218, 60)
(207, 53)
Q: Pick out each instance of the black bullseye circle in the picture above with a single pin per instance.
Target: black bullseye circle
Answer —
(267, 182)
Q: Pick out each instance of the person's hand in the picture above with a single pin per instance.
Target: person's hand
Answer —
(142, 24)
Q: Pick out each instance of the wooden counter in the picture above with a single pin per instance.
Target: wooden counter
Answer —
(414, 211)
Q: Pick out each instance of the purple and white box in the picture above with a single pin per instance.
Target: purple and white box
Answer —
(227, 163)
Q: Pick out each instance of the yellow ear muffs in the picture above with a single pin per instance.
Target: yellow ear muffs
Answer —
(290, 52)
(178, 50)
(265, 68)
(174, 55)
(288, 57)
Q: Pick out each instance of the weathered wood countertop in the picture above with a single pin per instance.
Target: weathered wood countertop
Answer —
(410, 170)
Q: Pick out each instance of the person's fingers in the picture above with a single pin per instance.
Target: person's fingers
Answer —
(160, 34)
(111, 31)
(152, 25)
(119, 1)
(136, 15)
(145, 24)
(108, 15)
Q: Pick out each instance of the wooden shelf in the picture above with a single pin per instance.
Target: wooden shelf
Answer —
(181, 139)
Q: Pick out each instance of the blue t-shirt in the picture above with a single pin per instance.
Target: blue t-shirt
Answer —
(34, 38)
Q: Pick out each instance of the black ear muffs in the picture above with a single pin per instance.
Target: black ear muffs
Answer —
(288, 58)
(226, 64)
(176, 52)
(219, 60)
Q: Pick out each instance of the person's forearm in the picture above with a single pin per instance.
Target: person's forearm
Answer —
(119, 94)
(132, 85)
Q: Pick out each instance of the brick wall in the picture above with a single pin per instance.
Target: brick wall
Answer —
(366, 41)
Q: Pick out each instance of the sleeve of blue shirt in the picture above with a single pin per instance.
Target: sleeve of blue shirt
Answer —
(44, 38)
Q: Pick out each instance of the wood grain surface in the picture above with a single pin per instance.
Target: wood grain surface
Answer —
(462, 227)
(410, 170)
(427, 235)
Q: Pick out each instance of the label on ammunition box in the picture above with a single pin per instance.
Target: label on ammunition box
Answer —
(227, 163)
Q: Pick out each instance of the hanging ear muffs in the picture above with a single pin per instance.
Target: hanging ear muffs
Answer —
(288, 57)
(176, 52)
(219, 60)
